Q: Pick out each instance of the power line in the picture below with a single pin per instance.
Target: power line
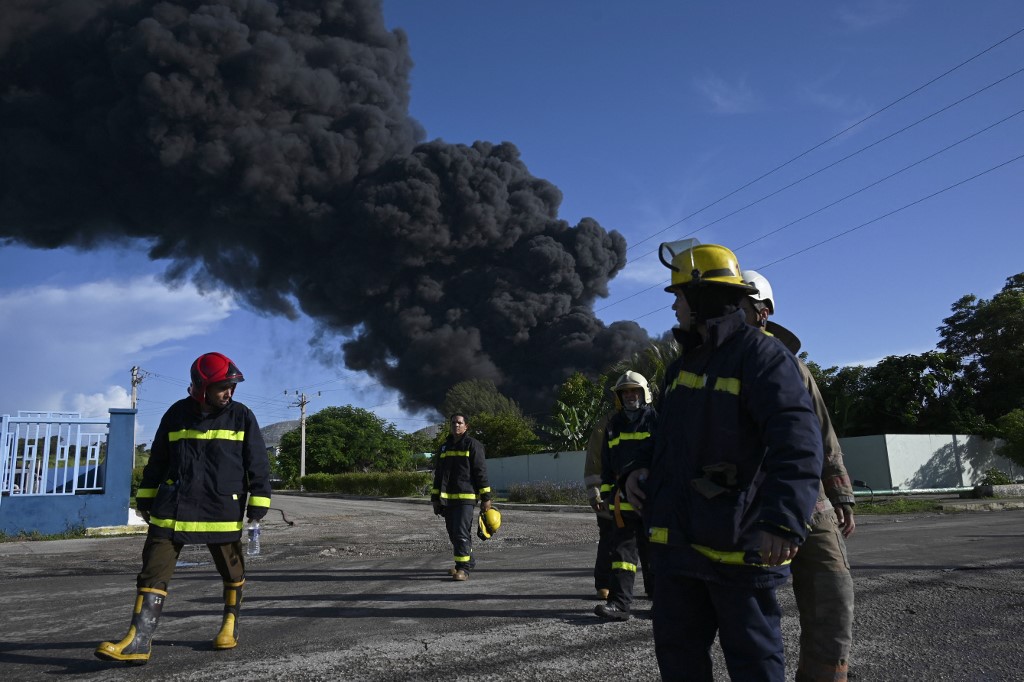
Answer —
(833, 137)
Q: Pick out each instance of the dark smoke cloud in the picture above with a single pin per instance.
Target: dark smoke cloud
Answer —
(267, 147)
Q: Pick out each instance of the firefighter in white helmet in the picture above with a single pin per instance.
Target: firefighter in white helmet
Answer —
(731, 485)
(821, 572)
(628, 437)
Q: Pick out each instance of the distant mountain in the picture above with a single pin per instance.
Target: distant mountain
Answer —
(272, 434)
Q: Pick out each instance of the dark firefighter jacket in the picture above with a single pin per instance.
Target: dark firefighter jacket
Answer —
(625, 443)
(460, 472)
(200, 472)
(738, 450)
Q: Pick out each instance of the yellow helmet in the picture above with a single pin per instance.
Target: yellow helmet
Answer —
(489, 523)
(696, 263)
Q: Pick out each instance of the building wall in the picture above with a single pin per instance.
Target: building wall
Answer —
(50, 514)
(903, 462)
(562, 467)
(917, 462)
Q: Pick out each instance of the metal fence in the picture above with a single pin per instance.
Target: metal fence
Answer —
(52, 453)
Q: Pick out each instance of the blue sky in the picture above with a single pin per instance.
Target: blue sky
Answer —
(653, 118)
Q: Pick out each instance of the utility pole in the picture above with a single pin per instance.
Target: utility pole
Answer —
(301, 403)
(138, 374)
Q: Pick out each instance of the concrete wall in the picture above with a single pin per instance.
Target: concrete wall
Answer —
(915, 462)
(883, 462)
(561, 467)
(49, 514)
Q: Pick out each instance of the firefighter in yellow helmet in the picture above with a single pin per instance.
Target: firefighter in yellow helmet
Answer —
(208, 469)
(628, 437)
(822, 582)
(730, 486)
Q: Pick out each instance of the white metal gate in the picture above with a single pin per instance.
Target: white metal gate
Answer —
(51, 453)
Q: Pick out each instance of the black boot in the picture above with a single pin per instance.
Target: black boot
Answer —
(136, 645)
(227, 638)
(611, 612)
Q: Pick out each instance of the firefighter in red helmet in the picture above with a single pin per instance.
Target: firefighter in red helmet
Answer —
(208, 470)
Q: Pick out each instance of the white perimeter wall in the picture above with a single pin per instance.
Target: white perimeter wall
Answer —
(901, 462)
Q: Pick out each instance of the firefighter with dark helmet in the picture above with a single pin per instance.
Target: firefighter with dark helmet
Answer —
(207, 471)
(731, 484)
(628, 438)
(822, 583)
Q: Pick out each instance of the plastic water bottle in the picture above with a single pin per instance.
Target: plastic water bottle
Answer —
(253, 548)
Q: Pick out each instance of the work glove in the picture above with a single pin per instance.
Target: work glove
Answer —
(438, 507)
(256, 513)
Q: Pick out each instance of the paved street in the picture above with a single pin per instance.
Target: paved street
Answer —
(357, 590)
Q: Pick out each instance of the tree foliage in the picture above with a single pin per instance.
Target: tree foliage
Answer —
(1011, 428)
(344, 439)
(579, 405)
(988, 337)
(475, 396)
(966, 387)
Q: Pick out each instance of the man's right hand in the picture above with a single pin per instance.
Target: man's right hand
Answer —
(634, 493)
(438, 507)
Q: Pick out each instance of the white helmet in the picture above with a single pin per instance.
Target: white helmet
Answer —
(631, 380)
(764, 289)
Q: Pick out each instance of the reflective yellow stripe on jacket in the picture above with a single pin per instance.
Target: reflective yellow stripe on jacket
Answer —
(455, 453)
(660, 536)
(257, 501)
(695, 381)
(198, 526)
(216, 434)
(639, 435)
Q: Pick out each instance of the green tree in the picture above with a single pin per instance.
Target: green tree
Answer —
(475, 396)
(579, 405)
(506, 434)
(1011, 428)
(988, 337)
(842, 389)
(344, 439)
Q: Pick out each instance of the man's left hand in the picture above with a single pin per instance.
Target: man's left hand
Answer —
(844, 513)
(485, 505)
(775, 550)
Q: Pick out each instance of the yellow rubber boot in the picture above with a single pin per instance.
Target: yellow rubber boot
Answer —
(136, 645)
(227, 638)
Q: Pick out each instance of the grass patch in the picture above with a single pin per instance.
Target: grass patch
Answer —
(545, 492)
(70, 534)
(896, 505)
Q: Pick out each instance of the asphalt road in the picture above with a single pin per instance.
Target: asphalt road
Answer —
(358, 590)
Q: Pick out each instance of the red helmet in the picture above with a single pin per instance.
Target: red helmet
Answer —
(211, 368)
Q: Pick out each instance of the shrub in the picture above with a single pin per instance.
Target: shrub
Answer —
(546, 492)
(375, 484)
(994, 476)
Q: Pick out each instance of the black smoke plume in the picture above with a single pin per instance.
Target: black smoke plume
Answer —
(266, 147)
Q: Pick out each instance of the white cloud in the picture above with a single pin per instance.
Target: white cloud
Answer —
(99, 404)
(727, 98)
(64, 343)
(871, 13)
